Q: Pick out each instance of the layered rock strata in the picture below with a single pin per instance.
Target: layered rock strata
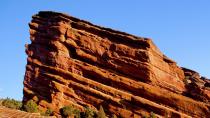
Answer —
(73, 62)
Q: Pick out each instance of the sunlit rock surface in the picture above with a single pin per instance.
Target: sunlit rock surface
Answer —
(74, 62)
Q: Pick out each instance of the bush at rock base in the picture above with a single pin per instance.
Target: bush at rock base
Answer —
(30, 106)
(48, 112)
(89, 113)
(11, 103)
(67, 111)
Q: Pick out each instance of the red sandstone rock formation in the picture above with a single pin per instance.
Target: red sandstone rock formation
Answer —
(71, 61)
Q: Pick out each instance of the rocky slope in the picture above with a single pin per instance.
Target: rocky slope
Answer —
(71, 61)
(12, 113)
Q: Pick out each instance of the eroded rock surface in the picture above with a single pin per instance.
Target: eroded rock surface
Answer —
(71, 61)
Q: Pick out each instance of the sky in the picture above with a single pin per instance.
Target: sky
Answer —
(180, 28)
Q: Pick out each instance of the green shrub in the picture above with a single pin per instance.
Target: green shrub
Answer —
(77, 113)
(31, 107)
(152, 115)
(89, 113)
(11, 103)
(48, 112)
(101, 113)
(67, 111)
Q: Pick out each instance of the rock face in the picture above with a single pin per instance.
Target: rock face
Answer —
(73, 62)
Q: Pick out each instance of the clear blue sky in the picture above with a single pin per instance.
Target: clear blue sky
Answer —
(180, 28)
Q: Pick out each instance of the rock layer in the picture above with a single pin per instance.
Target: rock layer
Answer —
(73, 62)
